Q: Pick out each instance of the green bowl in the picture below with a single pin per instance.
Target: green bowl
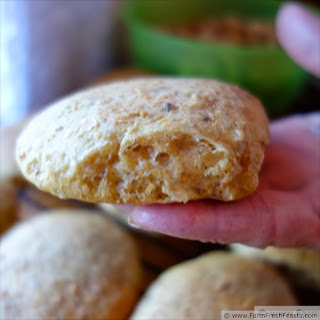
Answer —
(267, 72)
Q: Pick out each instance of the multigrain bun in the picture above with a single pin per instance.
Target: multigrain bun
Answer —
(147, 141)
(203, 287)
(302, 266)
(68, 265)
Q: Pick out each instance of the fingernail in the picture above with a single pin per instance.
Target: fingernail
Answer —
(131, 222)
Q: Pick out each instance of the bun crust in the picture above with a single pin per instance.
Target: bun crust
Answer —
(148, 140)
(68, 265)
(201, 288)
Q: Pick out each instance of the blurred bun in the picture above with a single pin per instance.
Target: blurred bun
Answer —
(71, 265)
(301, 265)
(203, 287)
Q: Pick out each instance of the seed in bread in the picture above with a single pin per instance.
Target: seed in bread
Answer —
(149, 140)
(68, 265)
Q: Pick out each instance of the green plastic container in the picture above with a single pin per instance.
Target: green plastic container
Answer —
(267, 72)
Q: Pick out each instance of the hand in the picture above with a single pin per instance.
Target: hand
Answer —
(284, 211)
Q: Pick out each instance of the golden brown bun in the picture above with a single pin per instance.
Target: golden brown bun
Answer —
(203, 287)
(71, 265)
(146, 141)
(302, 265)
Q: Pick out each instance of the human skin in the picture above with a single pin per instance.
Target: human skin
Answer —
(298, 32)
(285, 209)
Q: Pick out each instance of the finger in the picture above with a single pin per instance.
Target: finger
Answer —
(298, 32)
(292, 138)
(277, 218)
(313, 122)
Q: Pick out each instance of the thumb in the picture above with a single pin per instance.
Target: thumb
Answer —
(298, 32)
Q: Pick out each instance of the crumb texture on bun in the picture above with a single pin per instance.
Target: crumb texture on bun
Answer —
(201, 288)
(68, 265)
(148, 140)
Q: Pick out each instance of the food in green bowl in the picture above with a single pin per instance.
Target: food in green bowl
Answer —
(226, 30)
(262, 68)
